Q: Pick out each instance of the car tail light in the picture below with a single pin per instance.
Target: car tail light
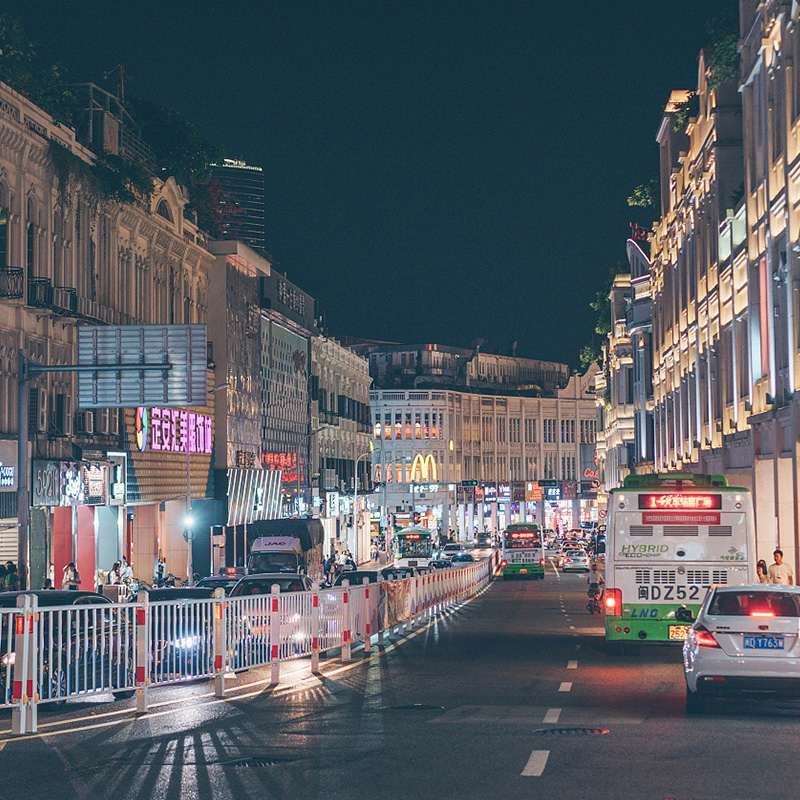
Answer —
(703, 637)
(614, 602)
(505, 563)
(762, 614)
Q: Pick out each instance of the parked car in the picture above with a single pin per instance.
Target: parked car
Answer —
(744, 641)
(90, 655)
(262, 583)
(224, 582)
(356, 577)
(397, 573)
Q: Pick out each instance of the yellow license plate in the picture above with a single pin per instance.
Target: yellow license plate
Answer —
(523, 571)
(678, 632)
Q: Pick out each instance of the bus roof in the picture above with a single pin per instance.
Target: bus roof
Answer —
(524, 526)
(406, 531)
(677, 480)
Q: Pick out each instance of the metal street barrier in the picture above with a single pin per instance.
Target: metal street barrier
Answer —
(49, 655)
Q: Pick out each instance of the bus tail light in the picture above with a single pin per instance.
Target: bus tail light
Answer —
(614, 602)
(504, 563)
(541, 562)
(704, 638)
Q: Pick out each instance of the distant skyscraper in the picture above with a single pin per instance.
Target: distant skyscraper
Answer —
(243, 187)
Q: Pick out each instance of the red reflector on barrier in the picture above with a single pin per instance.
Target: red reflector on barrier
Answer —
(218, 663)
(19, 624)
(315, 601)
(139, 675)
(315, 643)
(275, 604)
(345, 597)
(140, 616)
(17, 693)
(218, 612)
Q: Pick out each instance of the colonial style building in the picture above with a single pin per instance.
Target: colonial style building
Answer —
(70, 255)
(497, 421)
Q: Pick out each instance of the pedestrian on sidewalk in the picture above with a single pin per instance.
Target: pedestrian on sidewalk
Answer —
(72, 578)
(779, 572)
(12, 578)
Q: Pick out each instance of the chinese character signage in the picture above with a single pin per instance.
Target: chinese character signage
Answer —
(173, 430)
(286, 462)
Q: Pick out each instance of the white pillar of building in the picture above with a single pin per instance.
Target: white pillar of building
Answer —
(494, 516)
(576, 513)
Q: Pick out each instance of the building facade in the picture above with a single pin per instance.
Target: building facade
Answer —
(69, 256)
(429, 439)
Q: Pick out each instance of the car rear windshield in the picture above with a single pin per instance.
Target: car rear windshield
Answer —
(265, 587)
(745, 604)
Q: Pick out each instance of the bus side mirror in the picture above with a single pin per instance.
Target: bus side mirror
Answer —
(683, 614)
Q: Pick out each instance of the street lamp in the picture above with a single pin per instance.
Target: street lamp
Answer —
(355, 502)
(299, 447)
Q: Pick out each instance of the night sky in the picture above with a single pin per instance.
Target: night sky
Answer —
(437, 171)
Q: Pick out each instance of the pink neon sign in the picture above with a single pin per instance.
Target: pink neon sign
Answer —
(171, 427)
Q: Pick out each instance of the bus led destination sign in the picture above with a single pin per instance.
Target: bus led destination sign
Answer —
(680, 502)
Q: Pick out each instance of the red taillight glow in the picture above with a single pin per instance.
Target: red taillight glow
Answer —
(541, 562)
(703, 638)
(505, 563)
(762, 614)
(614, 603)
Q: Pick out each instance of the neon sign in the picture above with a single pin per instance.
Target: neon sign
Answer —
(173, 430)
(680, 502)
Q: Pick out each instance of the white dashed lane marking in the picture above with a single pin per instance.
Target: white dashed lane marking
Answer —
(566, 686)
(536, 764)
(552, 715)
(572, 665)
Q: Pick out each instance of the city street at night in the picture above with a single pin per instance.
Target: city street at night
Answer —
(511, 695)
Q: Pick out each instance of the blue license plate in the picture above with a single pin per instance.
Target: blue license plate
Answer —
(763, 642)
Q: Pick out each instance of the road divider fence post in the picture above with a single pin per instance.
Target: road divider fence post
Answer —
(315, 631)
(381, 594)
(346, 622)
(24, 691)
(369, 617)
(142, 651)
(220, 643)
(275, 634)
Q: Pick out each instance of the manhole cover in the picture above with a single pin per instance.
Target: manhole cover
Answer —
(415, 707)
(572, 731)
(258, 761)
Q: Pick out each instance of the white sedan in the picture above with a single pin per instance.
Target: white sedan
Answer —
(745, 641)
(575, 560)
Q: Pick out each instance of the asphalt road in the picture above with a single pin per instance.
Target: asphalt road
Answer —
(512, 695)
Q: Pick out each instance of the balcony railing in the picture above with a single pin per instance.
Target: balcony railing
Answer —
(65, 301)
(11, 283)
(40, 292)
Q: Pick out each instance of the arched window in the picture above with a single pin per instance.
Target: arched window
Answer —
(163, 210)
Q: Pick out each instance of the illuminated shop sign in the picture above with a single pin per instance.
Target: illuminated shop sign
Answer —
(173, 430)
(7, 475)
(286, 462)
(69, 483)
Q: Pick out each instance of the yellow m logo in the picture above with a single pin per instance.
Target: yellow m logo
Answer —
(425, 466)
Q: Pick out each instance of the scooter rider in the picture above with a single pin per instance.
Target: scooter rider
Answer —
(596, 584)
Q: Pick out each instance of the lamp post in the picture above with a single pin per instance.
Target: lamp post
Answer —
(355, 502)
(299, 447)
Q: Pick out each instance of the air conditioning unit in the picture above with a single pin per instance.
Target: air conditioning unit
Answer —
(113, 421)
(37, 411)
(84, 422)
(62, 417)
(101, 421)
